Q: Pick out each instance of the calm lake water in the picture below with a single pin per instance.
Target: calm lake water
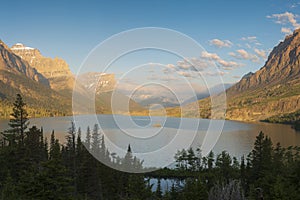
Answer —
(148, 140)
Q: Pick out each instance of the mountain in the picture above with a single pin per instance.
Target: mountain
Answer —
(47, 85)
(274, 89)
(103, 85)
(17, 76)
(13, 63)
(55, 70)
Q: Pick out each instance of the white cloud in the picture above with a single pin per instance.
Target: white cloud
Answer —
(184, 64)
(244, 55)
(218, 73)
(193, 64)
(227, 64)
(250, 38)
(170, 66)
(248, 46)
(236, 77)
(261, 53)
(250, 41)
(285, 18)
(286, 30)
(166, 78)
(220, 43)
(220, 61)
(185, 74)
(212, 56)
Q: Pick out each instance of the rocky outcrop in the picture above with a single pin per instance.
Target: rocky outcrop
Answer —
(272, 90)
(55, 70)
(18, 77)
(13, 63)
(283, 65)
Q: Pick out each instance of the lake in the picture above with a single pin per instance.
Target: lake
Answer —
(156, 139)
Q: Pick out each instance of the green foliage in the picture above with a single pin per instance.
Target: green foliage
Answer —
(18, 123)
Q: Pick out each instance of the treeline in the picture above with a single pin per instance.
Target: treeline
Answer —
(33, 111)
(31, 167)
(291, 118)
(268, 172)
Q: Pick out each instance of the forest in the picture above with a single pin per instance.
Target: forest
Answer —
(33, 167)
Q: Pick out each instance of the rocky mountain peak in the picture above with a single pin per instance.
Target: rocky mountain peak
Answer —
(56, 70)
(282, 66)
(14, 64)
(49, 67)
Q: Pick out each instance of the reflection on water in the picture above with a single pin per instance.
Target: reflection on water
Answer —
(237, 138)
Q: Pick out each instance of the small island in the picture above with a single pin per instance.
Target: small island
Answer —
(157, 125)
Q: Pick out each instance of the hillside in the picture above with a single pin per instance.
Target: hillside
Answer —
(17, 76)
(274, 89)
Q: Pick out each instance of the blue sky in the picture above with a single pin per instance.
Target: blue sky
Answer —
(241, 32)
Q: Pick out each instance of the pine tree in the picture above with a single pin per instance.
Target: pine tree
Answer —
(54, 148)
(128, 160)
(19, 122)
(32, 143)
(88, 138)
(95, 146)
(210, 160)
(158, 192)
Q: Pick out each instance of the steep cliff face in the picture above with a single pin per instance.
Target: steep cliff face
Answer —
(17, 76)
(55, 70)
(282, 66)
(14, 64)
(272, 90)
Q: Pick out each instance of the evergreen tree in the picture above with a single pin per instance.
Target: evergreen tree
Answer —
(18, 123)
(158, 192)
(95, 147)
(88, 138)
(34, 145)
(210, 160)
(128, 160)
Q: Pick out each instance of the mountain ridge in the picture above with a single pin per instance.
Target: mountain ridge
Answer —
(271, 91)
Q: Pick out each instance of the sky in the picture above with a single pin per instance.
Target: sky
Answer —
(236, 35)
